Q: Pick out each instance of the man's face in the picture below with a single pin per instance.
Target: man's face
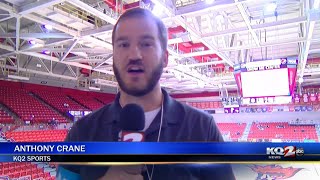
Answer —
(138, 59)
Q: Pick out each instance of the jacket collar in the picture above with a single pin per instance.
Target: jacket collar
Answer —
(170, 113)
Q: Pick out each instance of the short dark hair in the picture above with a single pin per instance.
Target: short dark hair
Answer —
(141, 12)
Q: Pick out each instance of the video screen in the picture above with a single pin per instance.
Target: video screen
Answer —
(265, 83)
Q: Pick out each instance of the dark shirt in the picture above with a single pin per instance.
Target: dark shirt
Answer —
(181, 123)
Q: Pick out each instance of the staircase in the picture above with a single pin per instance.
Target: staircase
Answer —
(50, 107)
(83, 105)
(100, 101)
(18, 121)
(246, 132)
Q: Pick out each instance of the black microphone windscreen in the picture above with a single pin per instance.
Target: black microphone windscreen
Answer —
(132, 118)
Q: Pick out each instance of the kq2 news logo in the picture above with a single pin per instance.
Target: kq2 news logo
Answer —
(287, 152)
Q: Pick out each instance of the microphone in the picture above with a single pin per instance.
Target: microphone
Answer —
(132, 122)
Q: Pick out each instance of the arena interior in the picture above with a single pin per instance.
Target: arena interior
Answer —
(56, 67)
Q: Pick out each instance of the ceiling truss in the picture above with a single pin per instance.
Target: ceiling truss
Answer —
(206, 40)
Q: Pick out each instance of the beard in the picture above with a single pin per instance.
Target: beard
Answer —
(152, 81)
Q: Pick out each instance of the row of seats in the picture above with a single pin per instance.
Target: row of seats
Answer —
(236, 129)
(28, 108)
(17, 170)
(5, 117)
(60, 101)
(105, 99)
(262, 130)
(37, 136)
(276, 130)
(88, 101)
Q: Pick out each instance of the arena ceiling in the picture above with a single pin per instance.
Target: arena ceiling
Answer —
(70, 40)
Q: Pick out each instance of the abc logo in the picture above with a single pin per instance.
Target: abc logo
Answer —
(292, 61)
(299, 152)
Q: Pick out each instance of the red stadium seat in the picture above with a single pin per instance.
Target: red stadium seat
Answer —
(25, 105)
(286, 131)
(58, 100)
(16, 170)
(5, 118)
(38, 136)
(236, 130)
(87, 101)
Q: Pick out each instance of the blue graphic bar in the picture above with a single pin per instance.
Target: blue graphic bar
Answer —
(153, 148)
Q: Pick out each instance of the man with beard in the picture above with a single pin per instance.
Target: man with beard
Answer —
(139, 55)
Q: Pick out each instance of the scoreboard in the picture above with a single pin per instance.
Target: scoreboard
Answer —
(270, 78)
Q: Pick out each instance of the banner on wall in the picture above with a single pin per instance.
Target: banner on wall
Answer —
(313, 97)
(309, 108)
(291, 108)
(280, 109)
(264, 109)
(297, 108)
(232, 110)
(296, 98)
(305, 98)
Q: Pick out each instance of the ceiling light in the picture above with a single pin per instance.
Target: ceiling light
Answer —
(94, 88)
(47, 26)
(209, 1)
(46, 52)
(271, 7)
(18, 77)
(33, 42)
